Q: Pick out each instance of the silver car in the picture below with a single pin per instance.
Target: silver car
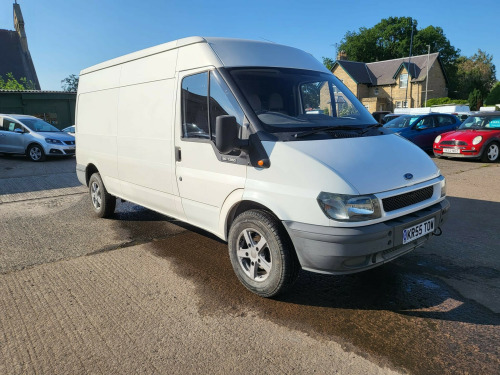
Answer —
(23, 134)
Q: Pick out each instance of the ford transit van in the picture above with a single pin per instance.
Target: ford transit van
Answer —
(261, 145)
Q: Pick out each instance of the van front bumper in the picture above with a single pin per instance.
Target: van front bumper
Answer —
(335, 250)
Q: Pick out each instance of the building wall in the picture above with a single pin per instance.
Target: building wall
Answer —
(341, 74)
(437, 84)
(55, 108)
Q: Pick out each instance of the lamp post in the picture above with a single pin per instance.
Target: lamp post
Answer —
(427, 76)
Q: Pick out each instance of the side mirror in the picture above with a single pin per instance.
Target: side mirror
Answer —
(226, 134)
(421, 127)
(17, 130)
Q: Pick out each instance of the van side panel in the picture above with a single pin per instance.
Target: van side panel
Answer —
(145, 145)
(196, 56)
(96, 135)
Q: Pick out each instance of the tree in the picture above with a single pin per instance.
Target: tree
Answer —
(70, 83)
(328, 62)
(13, 84)
(494, 95)
(475, 100)
(390, 39)
(475, 72)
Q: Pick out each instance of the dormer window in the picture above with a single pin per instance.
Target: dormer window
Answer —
(403, 80)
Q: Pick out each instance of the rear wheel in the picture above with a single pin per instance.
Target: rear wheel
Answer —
(103, 203)
(492, 153)
(262, 254)
(36, 153)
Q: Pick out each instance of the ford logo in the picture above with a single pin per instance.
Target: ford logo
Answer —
(408, 176)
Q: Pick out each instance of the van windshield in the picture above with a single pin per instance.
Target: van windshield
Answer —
(287, 99)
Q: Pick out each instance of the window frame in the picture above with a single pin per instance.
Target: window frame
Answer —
(401, 81)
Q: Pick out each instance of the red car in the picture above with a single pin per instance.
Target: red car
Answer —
(477, 138)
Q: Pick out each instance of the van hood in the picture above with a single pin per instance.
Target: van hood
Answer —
(369, 164)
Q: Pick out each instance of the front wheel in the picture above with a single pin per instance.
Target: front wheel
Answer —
(103, 203)
(491, 154)
(262, 254)
(36, 153)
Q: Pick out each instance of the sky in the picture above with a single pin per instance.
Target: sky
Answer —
(66, 36)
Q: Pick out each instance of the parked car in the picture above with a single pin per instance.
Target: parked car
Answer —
(379, 115)
(23, 134)
(422, 129)
(389, 117)
(477, 138)
(70, 130)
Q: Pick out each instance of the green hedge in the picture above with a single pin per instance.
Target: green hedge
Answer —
(441, 101)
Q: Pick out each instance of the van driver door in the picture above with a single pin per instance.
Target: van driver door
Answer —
(205, 178)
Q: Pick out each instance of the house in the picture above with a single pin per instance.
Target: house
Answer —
(15, 56)
(398, 83)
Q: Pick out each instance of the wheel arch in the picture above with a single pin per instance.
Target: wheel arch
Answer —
(89, 171)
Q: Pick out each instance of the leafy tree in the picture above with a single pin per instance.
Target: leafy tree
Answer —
(11, 83)
(475, 100)
(328, 62)
(70, 83)
(475, 72)
(390, 39)
(494, 95)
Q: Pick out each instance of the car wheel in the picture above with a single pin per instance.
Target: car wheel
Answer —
(103, 203)
(262, 254)
(36, 153)
(492, 153)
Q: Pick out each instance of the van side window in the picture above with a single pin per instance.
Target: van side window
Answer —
(222, 101)
(195, 99)
(194, 106)
(9, 125)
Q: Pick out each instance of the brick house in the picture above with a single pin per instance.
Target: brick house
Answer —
(390, 84)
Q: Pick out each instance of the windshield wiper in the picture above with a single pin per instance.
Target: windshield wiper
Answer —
(327, 129)
(368, 128)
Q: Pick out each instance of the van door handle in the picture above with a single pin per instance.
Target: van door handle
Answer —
(178, 154)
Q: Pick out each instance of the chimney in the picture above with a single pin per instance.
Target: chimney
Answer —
(342, 55)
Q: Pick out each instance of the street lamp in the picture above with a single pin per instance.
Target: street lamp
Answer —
(427, 76)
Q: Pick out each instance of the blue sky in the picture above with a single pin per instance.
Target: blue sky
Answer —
(66, 36)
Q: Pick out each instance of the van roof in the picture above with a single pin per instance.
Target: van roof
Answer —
(230, 53)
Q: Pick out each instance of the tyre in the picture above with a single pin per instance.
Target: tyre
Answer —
(36, 153)
(262, 254)
(103, 203)
(492, 153)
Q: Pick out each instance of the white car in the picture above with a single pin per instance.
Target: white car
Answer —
(23, 134)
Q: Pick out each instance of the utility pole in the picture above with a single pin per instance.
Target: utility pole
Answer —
(427, 75)
(409, 62)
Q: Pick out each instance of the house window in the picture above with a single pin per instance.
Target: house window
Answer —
(403, 80)
(375, 91)
(401, 104)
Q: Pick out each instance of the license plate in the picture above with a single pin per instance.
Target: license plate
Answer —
(451, 150)
(417, 231)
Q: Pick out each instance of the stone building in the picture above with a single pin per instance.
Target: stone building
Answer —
(15, 56)
(390, 84)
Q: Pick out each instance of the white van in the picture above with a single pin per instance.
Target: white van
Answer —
(220, 133)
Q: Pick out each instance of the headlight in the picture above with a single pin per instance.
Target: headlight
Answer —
(343, 207)
(443, 187)
(438, 138)
(53, 141)
(477, 140)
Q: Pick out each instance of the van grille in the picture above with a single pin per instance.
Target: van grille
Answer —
(403, 200)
